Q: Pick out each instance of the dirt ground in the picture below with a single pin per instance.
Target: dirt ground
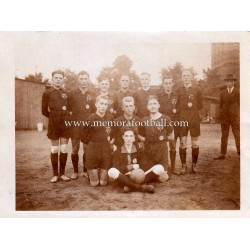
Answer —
(215, 187)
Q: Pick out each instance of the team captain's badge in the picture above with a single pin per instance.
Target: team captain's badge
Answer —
(134, 161)
(64, 108)
(190, 104)
(161, 137)
(87, 106)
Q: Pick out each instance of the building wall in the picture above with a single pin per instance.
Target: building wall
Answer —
(28, 102)
(226, 58)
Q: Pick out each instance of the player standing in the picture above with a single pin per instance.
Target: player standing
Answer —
(168, 107)
(81, 106)
(141, 95)
(55, 107)
(189, 105)
(123, 92)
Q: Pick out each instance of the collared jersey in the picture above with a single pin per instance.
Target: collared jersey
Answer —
(54, 102)
(168, 104)
(156, 133)
(118, 129)
(98, 129)
(81, 103)
(122, 158)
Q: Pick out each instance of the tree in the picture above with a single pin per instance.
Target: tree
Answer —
(37, 77)
(210, 82)
(122, 65)
(70, 80)
(175, 72)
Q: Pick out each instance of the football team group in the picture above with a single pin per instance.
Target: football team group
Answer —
(132, 156)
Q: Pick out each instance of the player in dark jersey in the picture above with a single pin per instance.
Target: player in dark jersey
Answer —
(55, 107)
(189, 104)
(123, 92)
(104, 90)
(81, 105)
(127, 158)
(156, 130)
(127, 119)
(98, 137)
(141, 95)
(168, 102)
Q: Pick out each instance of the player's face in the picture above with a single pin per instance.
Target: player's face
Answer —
(168, 84)
(104, 85)
(230, 83)
(57, 80)
(128, 108)
(145, 81)
(128, 137)
(101, 106)
(83, 81)
(124, 82)
(187, 77)
(153, 106)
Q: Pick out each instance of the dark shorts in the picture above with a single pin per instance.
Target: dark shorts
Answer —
(75, 130)
(98, 155)
(176, 131)
(57, 128)
(155, 154)
(194, 128)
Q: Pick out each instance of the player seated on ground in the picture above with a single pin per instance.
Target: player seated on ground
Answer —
(98, 138)
(126, 165)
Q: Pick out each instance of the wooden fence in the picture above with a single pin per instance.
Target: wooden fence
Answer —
(28, 102)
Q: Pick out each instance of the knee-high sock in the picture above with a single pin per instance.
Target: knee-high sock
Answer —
(124, 180)
(151, 177)
(83, 162)
(54, 163)
(195, 154)
(172, 158)
(63, 160)
(75, 160)
(183, 155)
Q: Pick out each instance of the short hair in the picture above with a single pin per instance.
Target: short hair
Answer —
(125, 75)
(58, 72)
(104, 78)
(185, 70)
(145, 73)
(153, 97)
(128, 99)
(83, 72)
(99, 97)
(125, 129)
(166, 76)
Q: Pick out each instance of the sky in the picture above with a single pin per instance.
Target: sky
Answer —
(91, 51)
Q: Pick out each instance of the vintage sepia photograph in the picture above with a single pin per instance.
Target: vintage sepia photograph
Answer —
(121, 121)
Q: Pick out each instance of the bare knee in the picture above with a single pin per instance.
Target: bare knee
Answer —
(103, 177)
(195, 142)
(183, 142)
(113, 173)
(93, 177)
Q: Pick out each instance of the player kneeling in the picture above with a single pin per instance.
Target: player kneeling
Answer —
(126, 171)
